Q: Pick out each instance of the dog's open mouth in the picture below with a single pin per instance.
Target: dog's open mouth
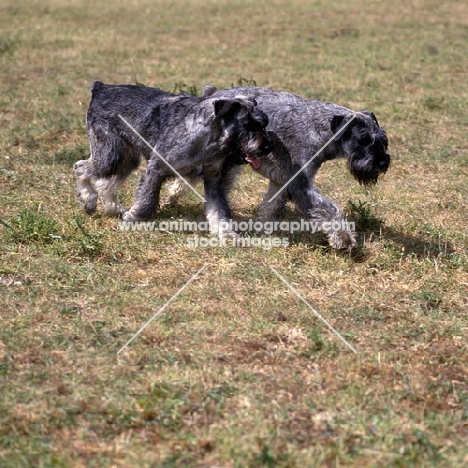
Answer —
(252, 160)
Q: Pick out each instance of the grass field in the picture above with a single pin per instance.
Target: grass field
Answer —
(237, 371)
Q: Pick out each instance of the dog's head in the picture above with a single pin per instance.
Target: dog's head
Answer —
(244, 128)
(364, 145)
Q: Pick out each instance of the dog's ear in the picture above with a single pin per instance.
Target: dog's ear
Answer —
(223, 107)
(338, 121)
(371, 115)
(209, 90)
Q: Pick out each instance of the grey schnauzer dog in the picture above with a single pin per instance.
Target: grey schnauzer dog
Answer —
(300, 128)
(197, 136)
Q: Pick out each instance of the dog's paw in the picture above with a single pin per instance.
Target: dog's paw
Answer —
(168, 200)
(130, 216)
(81, 168)
(224, 235)
(221, 230)
(90, 208)
(342, 240)
(88, 200)
(113, 208)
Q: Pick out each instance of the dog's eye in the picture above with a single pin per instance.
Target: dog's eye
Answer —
(365, 140)
(260, 119)
(255, 124)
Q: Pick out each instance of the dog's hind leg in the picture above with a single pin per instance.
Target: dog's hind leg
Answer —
(111, 162)
(147, 194)
(107, 189)
(125, 160)
(85, 180)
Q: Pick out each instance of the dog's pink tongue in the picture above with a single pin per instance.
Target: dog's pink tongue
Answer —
(251, 160)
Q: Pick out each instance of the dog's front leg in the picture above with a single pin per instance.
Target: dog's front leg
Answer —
(217, 209)
(328, 218)
(273, 203)
(147, 194)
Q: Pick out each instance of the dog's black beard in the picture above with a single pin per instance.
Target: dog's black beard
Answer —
(234, 155)
(368, 163)
(239, 146)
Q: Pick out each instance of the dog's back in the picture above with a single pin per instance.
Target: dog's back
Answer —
(103, 90)
(107, 100)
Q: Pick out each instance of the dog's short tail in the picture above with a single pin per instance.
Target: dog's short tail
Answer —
(209, 90)
(96, 86)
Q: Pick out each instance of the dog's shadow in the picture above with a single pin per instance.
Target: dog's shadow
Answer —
(416, 246)
(369, 229)
(190, 212)
(403, 244)
(396, 242)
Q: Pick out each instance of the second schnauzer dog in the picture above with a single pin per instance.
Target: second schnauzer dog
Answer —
(300, 128)
(197, 136)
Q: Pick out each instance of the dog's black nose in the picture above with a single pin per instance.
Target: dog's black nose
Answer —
(384, 163)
